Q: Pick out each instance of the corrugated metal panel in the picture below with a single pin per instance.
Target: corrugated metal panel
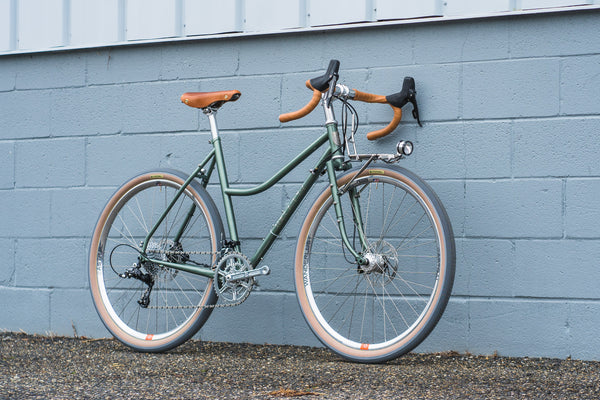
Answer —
(40, 24)
(269, 15)
(151, 19)
(201, 18)
(94, 22)
(339, 11)
(394, 9)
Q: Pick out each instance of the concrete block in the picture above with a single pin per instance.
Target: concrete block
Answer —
(308, 55)
(7, 165)
(438, 91)
(387, 47)
(25, 213)
(49, 263)
(557, 268)
(489, 267)
(438, 146)
(465, 41)
(258, 107)
(156, 107)
(256, 215)
(68, 70)
(265, 153)
(113, 160)
(580, 85)
(123, 65)
(259, 320)
(280, 259)
(263, 318)
(451, 332)
(582, 208)
(73, 313)
(508, 89)
(452, 196)
(487, 149)
(88, 111)
(578, 35)
(514, 328)
(7, 266)
(556, 147)
(8, 75)
(74, 211)
(190, 61)
(25, 114)
(514, 209)
(50, 163)
(25, 309)
(583, 320)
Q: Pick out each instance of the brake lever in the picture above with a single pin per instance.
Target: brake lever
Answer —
(412, 97)
(406, 95)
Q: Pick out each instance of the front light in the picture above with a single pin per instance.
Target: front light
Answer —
(404, 148)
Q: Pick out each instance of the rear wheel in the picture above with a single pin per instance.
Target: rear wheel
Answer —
(378, 311)
(145, 305)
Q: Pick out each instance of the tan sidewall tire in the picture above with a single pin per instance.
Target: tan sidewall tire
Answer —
(149, 344)
(440, 297)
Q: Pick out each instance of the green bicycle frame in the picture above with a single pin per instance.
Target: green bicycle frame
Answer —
(327, 163)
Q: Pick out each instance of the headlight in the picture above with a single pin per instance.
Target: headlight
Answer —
(404, 147)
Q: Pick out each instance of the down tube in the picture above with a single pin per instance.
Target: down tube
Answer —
(289, 211)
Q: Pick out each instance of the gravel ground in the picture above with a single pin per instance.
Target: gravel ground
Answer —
(36, 367)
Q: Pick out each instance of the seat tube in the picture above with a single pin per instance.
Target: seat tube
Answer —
(222, 172)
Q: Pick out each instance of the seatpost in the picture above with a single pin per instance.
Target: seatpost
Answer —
(212, 120)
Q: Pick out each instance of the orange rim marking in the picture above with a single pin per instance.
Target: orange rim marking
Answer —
(364, 346)
(149, 337)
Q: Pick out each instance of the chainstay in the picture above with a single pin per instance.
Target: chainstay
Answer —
(175, 252)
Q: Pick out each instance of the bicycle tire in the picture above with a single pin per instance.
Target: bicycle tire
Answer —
(179, 302)
(380, 311)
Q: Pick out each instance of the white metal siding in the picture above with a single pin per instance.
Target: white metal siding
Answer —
(530, 4)
(40, 24)
(5, 25)
(269, 15)
(394, 9)
(340, 11)
(221, 16)
(151, 19)
(33, 25)
(471, 7)
(94, 22)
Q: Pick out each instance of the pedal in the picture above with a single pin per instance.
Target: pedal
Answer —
(248, 274)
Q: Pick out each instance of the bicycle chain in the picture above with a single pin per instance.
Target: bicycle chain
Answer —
(175, 252)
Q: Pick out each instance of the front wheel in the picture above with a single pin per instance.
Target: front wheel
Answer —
(381, 310)
(146, 305)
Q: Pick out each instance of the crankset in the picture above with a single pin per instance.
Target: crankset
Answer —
(234, 278)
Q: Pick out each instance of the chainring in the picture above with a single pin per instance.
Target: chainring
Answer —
(233, 292)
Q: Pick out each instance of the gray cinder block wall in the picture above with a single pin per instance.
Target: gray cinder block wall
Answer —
(511, 138)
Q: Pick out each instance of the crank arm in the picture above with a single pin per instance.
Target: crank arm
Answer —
(248, 274)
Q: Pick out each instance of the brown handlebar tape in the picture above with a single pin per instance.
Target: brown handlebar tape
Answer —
(304, 110)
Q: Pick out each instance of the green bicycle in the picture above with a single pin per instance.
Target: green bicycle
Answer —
(375, 258)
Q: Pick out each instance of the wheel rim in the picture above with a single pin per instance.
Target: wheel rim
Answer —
(176, 297)
(386, 303)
